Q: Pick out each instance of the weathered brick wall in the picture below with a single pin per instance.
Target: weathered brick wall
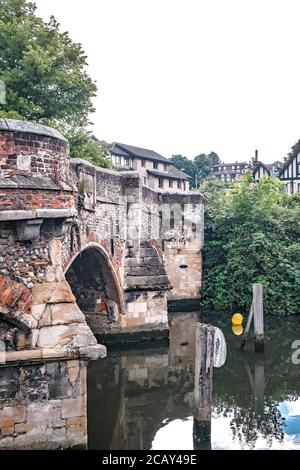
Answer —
(25, 264)
(24, 199)
(100, 223)
(33, 154)
(182, 244)
(43, 406)
(150, 214)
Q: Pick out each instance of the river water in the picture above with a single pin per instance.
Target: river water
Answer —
(142, 397)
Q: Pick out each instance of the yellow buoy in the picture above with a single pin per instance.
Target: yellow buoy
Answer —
(237, 329)
(237, 319)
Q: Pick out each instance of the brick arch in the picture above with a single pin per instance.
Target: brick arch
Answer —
(105, 266)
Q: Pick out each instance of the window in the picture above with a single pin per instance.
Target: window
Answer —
(298, 187)
(165, 167)
(233, 167)
(298, 169)
(224, 168)
(126, 161)
(220, 168)
(143, 163)
(179, 184)
(170, 183)
(118, 160)
(155, 165)
(145, 181)
(160, 183)
(238, 167)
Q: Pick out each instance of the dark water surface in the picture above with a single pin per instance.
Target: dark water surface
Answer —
(143, 398)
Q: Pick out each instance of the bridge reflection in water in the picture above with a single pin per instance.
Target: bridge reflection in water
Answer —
(142, 398)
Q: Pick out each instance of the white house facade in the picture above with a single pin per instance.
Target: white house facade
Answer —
(156, 171)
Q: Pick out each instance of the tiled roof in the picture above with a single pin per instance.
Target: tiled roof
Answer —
(139, 152)
(174, 172)
(179, 175)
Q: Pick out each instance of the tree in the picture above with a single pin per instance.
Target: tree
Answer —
(199, 168)
(253, 233)
(43, 70)
(184, 164)
(83, 145)
(203, 165)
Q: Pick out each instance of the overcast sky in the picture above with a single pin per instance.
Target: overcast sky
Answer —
(191, 76)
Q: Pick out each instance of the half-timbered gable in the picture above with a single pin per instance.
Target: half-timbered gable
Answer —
(290, 173)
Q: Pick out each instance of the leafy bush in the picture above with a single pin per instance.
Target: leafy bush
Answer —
(252, 235)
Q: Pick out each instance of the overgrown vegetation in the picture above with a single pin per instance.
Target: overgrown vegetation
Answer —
(45, 77)
(252, 235)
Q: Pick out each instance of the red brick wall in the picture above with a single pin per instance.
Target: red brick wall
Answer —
(26, 199)
(49, 156)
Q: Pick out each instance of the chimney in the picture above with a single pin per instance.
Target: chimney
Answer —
(256, 156)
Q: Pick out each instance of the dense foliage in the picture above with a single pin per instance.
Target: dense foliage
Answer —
(252, 235)
(199, 168)
(45, 75)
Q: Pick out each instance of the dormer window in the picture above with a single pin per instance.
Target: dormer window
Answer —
(155, 165)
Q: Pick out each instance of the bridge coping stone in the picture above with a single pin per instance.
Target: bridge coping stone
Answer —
(13, 125)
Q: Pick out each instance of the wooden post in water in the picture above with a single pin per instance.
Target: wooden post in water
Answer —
(245, 335)
(204, 361)
(258, 312)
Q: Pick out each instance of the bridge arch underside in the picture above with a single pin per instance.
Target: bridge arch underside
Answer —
(14, 334)
(94, 284)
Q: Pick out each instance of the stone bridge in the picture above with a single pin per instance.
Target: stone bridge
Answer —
(83, 248)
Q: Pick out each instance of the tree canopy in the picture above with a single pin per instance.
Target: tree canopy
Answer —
(199, 168)
(44, 72)
(252, 235)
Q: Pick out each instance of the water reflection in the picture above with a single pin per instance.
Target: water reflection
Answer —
(43, 406)
(143, 399)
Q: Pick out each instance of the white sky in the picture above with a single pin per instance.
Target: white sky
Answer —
(191, 76)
